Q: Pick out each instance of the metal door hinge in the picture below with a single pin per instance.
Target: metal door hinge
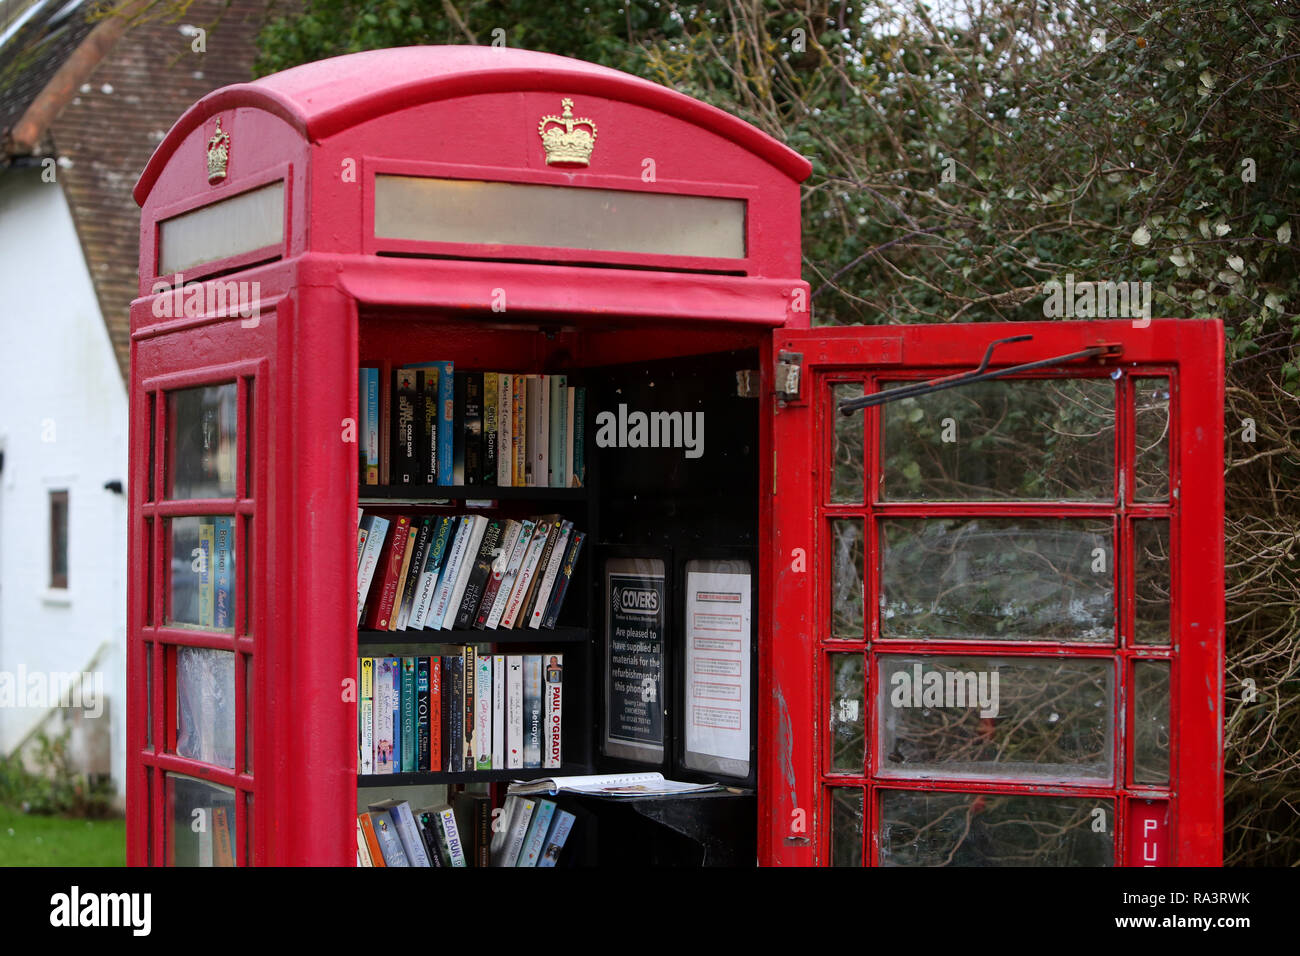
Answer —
(789, 376)
(747, 383)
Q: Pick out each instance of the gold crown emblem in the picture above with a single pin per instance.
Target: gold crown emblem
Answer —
(218, 154)
(565, 140)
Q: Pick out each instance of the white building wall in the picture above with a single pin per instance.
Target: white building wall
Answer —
(63, 425)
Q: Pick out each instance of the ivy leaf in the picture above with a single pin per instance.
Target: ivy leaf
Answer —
(1141, 236)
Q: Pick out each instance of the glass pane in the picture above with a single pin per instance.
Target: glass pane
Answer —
(229, 227)
(846, 827)
(246, 577)
(1151, 722)
(1151, 581)
(201, 449)
(970, 829)
(248, 714)
(248, 829)
(200, 822)
(205, 705)
(148, 693)
(846, 579)
(1151, 462)
(249, 435)
(1028, 439)
(848, 454)
(848, 687)
(1008, 579)
(149, 572)
(202, 573)
(1006, 717)
(153, 429)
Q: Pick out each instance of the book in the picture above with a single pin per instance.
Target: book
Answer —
(223, 578)
(539, 433)
(501, 831)
(403, 821)
(491, 411)
(532, 711)
(636, 784)
(535, 836)
(553, 711)
(480, 570)
(510, 530)
(417, 544)
(399, 592)
(390, 844)
(519, 431)
(554, 524)
(450, 835)
(387, 682)
(579, 437)
(435, 713)
(368, 426)
(428, 826)
(474, 820)
(527, 570)
(478, 526)
(511, 573)
(405, 463)
(514, 712)
(563, 578)
(470, 660)
(570, 420)
(427, 587)
(516, 831)
(366, 716)
(561, 826)
(390, 560)
(422, 712)
(386, 381)
(498, 712)
(532, 415)
(429, 416)
(459, 432)
(453, 689)
(223, 848)
(207, 538)
(553, 564)
(483, 712)
(472, 423)
(397, 715)
(377, 531)
(505, 438)
(557, 399)
(446, 578)
(363, 848)
(373, 849)
(410, 745)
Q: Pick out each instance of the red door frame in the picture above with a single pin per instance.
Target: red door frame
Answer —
(794, 802)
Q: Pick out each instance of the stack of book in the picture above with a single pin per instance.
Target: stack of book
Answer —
(450, 572)
(392, 834)
(460, 712)
(216, 578)
(433, 425)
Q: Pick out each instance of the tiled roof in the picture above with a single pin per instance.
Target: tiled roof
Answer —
(36, 38)
(106, 133)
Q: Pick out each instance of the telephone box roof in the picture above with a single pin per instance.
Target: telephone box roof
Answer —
(322, 98)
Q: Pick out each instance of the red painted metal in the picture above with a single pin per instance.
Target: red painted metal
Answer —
(796, 760)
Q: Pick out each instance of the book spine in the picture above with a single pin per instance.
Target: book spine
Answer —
(544, 589)
(565, 576)
(419, 434)
(473, 426)
(519, 431)
(454, 741)
(553, 692)
(483, 712)
(207, 538)
(429, 833)
(514, 712)
(458, 429)
(502, 598)
(558, 424)
(223, 849)
(491, 411)
(535, 840)
(580, 437)
(505, 415)
(366, 717)
(542, 433)
(532, 412)
(378, 530)
(398, 729)
(478, 525)
(385, 426)
(382, 607)
(483, 832)
(446, 422)
(497, 571)
(489, 550)
(498, 712)
(363, 850)
(405, 451)
(446, 579)
(386, 678)
(422, 725)
(399, 593)
(426, 581)
(451, 833)
(518, 832)
(429, 415)
(411, 585)
(372, 839)
(223, 578)
(532, 711)
(372, 426)
(569, 422)
(561, 824)
(526, 572)
(435, 713)
(389, 842)
(470, 660)
(555, 523)
(409, 834)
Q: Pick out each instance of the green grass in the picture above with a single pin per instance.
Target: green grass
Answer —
(60, 841)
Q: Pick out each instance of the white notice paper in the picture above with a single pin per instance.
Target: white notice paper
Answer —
(717, 671)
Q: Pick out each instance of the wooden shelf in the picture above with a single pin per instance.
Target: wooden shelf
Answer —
(472, 776)
(376, 495)
(527, 635)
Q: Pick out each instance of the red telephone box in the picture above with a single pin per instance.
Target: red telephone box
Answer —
(1045, 544)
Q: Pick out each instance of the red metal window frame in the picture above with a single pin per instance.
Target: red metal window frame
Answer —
(155, 643)
(1194, 792)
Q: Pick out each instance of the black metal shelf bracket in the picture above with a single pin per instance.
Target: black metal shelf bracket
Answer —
(850, 405)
